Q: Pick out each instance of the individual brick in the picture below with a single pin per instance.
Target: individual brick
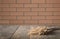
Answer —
(23, 9)
(16, 5)
(42, 5)
(49, 5)
(4, 5)
(8, 17)
(9, 9)
(31, 5)
(0, 5)
(16, 22)
(23, 1)
(56, 21)
(4, 13)
(56, 24)
(38, 9)
(23, 17)
(53, 17)
(52, 9)
(45, 21)
(45, 13)
(8, 1)
(56, 5)
(0, 9)
(4, 22)
(16, 13)
(30, 13)
(38, 17)
(52, 1)
(56, 13)
(0, 17)
(38, 1)
(31, 22)
(0, 1)
(46, 5)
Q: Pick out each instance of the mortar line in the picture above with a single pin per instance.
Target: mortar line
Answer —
(1, 7)
(45, 12)
(16, 1)
(38, 7)
(30, 1)
(45, 9)
(23, 11)
(52, 14)
(24, 22)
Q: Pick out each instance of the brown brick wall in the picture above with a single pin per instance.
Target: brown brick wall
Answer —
(30, 12)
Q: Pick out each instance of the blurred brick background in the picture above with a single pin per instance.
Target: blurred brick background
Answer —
(30, 12)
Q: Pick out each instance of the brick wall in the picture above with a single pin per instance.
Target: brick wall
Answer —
(30, 12)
